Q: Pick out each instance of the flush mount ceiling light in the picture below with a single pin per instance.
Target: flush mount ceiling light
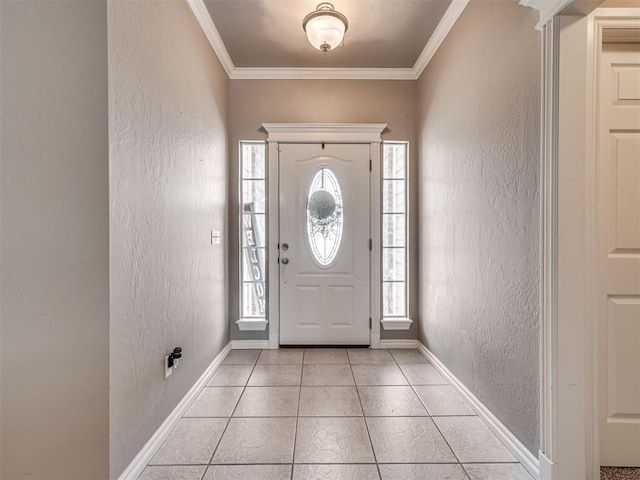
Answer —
(325, 27)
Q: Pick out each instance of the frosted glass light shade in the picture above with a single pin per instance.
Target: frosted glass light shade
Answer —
(325, 27)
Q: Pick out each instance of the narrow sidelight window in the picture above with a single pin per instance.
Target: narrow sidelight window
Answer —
(394, 229)
(252, 229)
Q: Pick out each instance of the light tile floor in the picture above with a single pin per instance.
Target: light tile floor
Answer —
(343, 414)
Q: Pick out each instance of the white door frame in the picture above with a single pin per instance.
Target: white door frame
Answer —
(320, 133)
(604, 19)
(569, 444)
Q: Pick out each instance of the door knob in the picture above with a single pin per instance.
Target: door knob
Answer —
(284, 260)
(285, 246)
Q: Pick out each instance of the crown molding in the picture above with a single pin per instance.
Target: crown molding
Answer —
(550, 9)
(280, 73)
(203, 17)
(441, 31)
(448, 20)
(546, 8)
(535, 4)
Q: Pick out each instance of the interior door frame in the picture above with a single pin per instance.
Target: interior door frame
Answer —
(569, 396)
(350, 133)
(605, 19)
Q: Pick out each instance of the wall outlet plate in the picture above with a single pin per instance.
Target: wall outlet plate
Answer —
(167, 369)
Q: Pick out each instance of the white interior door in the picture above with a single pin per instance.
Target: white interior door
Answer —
(618, 273)
(324, 244)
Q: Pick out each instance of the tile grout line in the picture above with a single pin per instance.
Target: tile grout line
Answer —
(446, 416)
(343, 416)
(430, 416)
(295, 431)
(244, 388)
(428, 411)
(224, 430)
(297, 416)
(334, 463)
(165, 465)
(475, 415)
(364, 418)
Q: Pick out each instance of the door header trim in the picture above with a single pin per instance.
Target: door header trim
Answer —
(325, 132)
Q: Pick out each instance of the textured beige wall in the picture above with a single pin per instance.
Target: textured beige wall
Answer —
(168, 111)
(254, 102)
(54, 260)
(478, 125)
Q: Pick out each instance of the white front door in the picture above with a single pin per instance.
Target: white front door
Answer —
(618, 274)
(324, 244)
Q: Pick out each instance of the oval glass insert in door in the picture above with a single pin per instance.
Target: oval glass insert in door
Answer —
(324, 216)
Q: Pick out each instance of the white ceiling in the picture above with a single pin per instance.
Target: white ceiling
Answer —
(382, 33)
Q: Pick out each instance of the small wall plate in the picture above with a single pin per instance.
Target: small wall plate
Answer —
(167, 369)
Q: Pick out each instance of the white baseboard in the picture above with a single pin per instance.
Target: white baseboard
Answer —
(390, 343)
(548, 469)
(250, 345)
(138, 464)
(524, 456)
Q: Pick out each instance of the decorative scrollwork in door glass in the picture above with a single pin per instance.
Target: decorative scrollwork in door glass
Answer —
(325, 216)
